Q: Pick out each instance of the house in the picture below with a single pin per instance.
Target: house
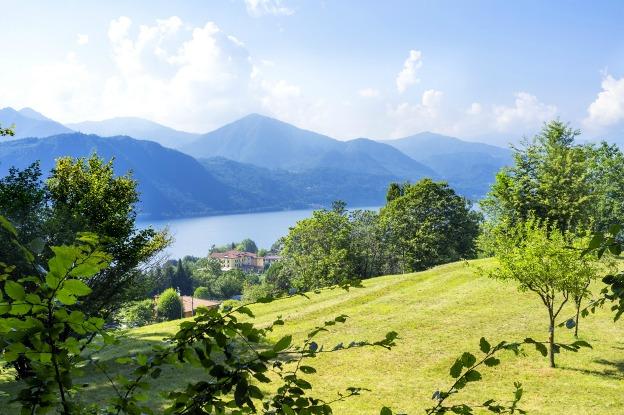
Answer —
(245, 261)
(190, 304)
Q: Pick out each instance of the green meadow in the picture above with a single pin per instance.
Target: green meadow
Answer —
(438, 314)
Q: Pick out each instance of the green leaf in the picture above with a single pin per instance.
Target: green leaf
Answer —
(484, 345)
(282, 344)
(287, 410)
(4, 223)
(76, 287)
(65, 297)
(14, 290)
(385, 411)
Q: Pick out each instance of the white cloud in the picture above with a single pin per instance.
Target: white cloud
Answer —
(407, 76)
(474, 109)
(527, 112)
(424, 116)
(82, 39)
(608, 107)
(368, 92)
(257, 8)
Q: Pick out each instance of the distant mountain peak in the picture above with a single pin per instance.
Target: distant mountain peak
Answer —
(35, 115)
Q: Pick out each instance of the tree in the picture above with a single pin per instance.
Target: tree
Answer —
(366, 244)
(316, 251)
(573, 187)
(539, 258)
(181, 279)
(169, 306)
(394, 191)
(202, 292)
(84, 195)
(137, 313)
(428, 225)
(247, 245)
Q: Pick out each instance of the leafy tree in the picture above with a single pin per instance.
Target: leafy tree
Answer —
(540, 259)
(137, 313)
(394, 191)
(203, 293)
(278, 277)
(169, 306)
(181, 279)
(316, 251)
(574, 187)
(367, 244)
(428, 225)
(84, 195)
(247, 245)
(229, 284)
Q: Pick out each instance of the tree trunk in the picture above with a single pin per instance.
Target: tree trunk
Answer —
(551, 341)
(578, 311)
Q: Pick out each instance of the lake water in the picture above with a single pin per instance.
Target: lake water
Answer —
(195, 236)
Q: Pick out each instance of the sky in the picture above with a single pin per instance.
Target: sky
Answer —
(482, 70)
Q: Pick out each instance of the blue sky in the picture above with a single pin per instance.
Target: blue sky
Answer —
(488, 70)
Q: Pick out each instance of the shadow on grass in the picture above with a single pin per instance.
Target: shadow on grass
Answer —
(612, 369)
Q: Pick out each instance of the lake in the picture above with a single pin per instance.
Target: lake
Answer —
(195, 236)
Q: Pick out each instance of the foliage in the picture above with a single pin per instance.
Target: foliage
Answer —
(181, 279)
(202, 292)
(255, 292)
(83, 195)
(571, 186)
(316, 251)
(428, 225)
(235, 354)
(6, 131)
(137, 313)
(543, 260)
(42, 325)
(247, 245)
(169, 305)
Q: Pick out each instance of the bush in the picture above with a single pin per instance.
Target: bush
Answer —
(230, 304)
(169, 305)
(203, 293)
(252, 293)
(137, 313)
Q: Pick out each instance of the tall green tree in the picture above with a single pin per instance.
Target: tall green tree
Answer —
(571, 186)
(84, 195)
(316, 251)
(247, 245)
(428, 224)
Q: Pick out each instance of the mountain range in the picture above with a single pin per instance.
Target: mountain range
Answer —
(252, 164)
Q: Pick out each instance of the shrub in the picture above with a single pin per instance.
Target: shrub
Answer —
(230, 304)
(202, 292)
(169, 305)
(137, 313)
(252, 293)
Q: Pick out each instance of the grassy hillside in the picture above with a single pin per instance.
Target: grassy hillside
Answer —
(439, 314)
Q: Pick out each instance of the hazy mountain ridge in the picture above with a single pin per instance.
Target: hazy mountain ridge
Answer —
(171, 183)
(139, 128)
(260, 163)
(30, 123)
(469, 167)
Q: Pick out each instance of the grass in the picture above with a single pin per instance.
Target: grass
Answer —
(438, 314)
